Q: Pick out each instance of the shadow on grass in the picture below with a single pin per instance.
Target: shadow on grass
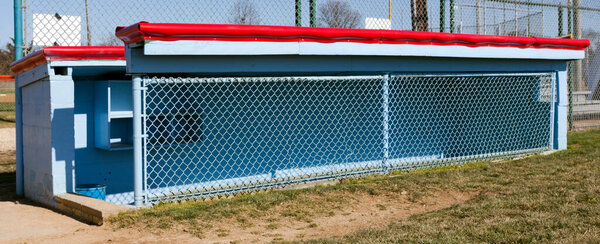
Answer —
(7, 187)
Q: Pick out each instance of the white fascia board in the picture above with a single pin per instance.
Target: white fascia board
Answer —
(87, 63)
(191, 47)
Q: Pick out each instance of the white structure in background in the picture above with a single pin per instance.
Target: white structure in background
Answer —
(378, 23)
(56, 30)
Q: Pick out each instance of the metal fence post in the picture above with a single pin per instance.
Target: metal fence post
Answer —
(313, 13)
(18, 31)
(386, 116)
(442, 15)
(560, 21)
(18, 18)
(137, 140)
(452, 16)
(298, 9)
(577, 34)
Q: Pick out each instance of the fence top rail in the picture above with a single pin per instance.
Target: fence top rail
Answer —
(67, 53)
(144, 31)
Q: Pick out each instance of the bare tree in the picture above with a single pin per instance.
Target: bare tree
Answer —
(244, 13)
(111, 40)
(338, 14)
(7, 56)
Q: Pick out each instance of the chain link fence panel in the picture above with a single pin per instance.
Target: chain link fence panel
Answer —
(212, 136)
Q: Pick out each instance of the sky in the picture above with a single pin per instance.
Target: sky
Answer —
(105, 15)
(6, 20)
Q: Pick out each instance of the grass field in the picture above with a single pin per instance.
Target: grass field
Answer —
(543, 198)
(7, 105)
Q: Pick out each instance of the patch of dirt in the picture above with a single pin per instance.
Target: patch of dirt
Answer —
(39, 225)
(22, 221)
(365, 211)
(7, 97)
(7, 139)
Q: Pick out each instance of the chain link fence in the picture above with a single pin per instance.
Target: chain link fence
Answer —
(207, 136)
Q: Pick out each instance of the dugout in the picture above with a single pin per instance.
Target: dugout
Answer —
(73, 122)
(234, 107)
(197, 110)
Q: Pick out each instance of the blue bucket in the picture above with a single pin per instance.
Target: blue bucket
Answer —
(92, 190)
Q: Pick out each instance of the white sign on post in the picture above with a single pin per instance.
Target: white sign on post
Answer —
(56, 30)
(378, 23)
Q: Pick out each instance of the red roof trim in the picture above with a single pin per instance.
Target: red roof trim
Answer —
(7, 78)
(67, 54)
(172, 32)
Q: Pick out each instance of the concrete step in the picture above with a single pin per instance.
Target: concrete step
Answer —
(87, 209)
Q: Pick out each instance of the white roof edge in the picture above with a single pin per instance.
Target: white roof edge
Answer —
(191, 47)
(87, 63)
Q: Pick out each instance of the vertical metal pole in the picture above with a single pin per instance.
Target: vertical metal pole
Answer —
(516, 21)
(570, 96)
(577, 34)
(570, 67)
(452, 16)
(553, 117)
(528, 20)
(137, 140)
(298, 12)
(390, 10)
(18, 29)
(504, 19)
(385, 109)
(569, 18)
(24, 7)
(542, 20)
(484, 25)
(442, 15)
(560, 21)
(18, 32)
(313, 13)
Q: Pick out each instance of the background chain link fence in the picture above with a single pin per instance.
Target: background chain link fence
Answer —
(207, 136)
(7, 99)
(92, 22)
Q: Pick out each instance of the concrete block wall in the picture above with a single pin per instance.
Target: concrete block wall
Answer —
(48, 140)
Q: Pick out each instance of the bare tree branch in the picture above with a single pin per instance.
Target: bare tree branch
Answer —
(244, 13)
(338, 14)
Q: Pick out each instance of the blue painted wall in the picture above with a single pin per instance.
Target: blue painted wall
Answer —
(98, 166)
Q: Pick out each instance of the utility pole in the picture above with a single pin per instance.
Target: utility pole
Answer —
(87, 23)
(478, 14)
